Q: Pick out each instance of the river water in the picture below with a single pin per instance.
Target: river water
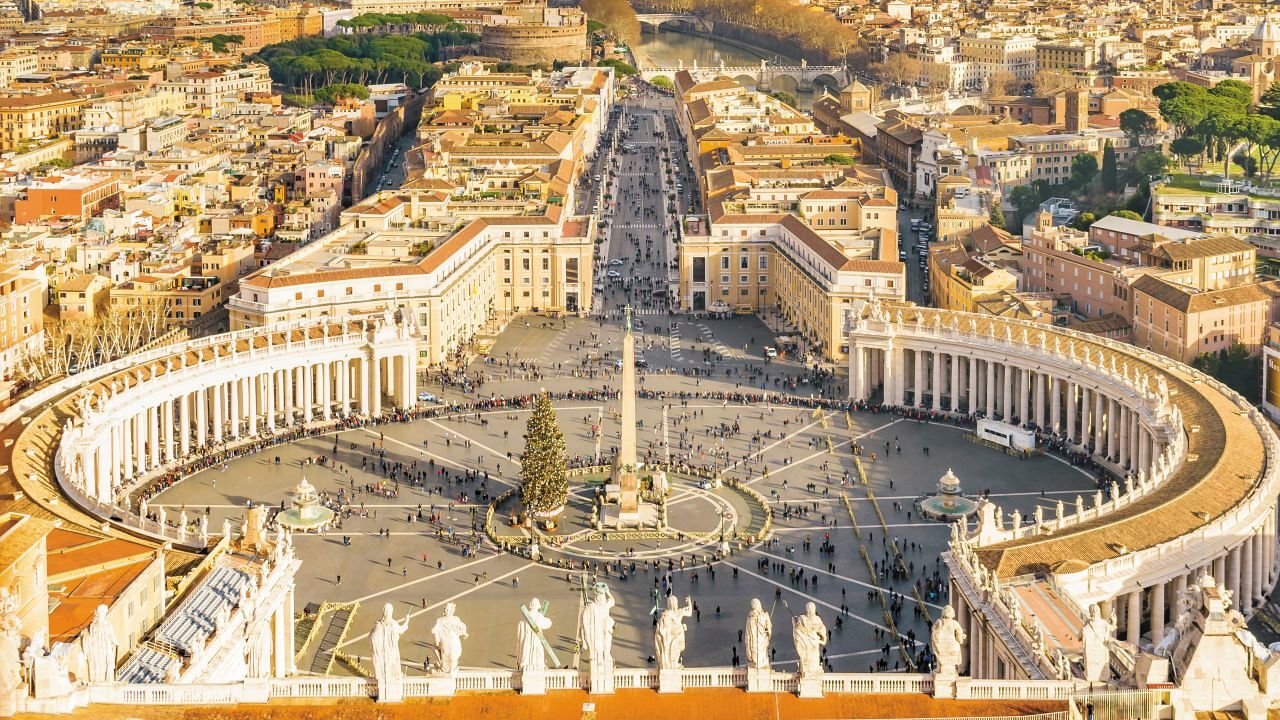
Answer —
(666, 48)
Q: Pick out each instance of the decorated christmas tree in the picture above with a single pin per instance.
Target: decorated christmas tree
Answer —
(543, 482)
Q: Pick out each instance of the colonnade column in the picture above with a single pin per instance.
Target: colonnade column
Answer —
(184, 424)
(1071, 411)
(166, 425)
(153, 435)
(219, 396)
(202, 416)
(1099, 423)
(375, 386)
(1156, 610)
(1133, 617)
(237, 386)
(1125, 426)
(1055, 404)
(1039, 404)
(1024, 396)
(990, 407)
(955, 383)
(972, 397)
(1006, 402)
(1247, 586)
(917, 388)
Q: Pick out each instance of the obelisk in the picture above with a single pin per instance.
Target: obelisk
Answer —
(627, 398)
(624, 463)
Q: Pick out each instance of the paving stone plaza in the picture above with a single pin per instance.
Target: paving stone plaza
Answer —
(389, 549)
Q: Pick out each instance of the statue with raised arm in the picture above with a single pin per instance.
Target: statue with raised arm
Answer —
(668, 638)
(948, 644)
(98, 643)
(385, 640)
(756, 637)
(597, 628)
(809, 634)
(448, 632)
(1096, 637)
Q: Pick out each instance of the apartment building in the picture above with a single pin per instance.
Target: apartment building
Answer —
(75, 195)
(22, 301)
(208, 89)
(29, 118)
(1067, 56)
(1183, 322)
(990, 55)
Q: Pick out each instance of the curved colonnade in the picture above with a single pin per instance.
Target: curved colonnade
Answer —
(1196, 489)
(160, 411)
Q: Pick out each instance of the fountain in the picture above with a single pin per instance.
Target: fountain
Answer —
(948, 504)
(307, 513)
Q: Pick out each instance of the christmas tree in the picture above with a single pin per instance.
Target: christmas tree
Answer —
(544, 485)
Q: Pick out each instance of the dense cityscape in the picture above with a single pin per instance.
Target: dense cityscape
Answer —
(639, 358)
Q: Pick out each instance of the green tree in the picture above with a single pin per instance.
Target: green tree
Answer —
(786, 98)
(1110, 169)
(1235, 367)
(332, 94)
(1151, 164)
(1269, 103)
(1025, 199)
(663, 82)
(544, 484)
(838, 159)
(996, 217)
(1127, 214)
(618, 17)
(1138, 125)
(1084, 168)
(1186, 147)
(620, 68)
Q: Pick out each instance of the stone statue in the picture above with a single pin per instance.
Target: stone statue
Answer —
(385, 639)
(809, 634)
(529, 638)
(668, 638)
(258, 647)
(597, 628)
(448, 632)
(1096, 637)
(948, 642)
(757, 635)
(98, 642)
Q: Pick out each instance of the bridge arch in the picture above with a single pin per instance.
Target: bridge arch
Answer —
(827, 80)
(785, 82)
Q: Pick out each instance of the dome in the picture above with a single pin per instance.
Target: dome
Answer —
(1268, 31)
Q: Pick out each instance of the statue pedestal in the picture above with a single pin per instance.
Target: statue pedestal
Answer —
(669, 681)
(256, 690)
(809, 686)
(533, 682)
(944, 685)
(759, 680)
(442, 686)
(602, 680)
(391, 691)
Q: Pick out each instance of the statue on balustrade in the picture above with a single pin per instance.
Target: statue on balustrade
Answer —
(531, 642)
(809, 634)
(98, 643)
(668, 638)
(448, 632)
(1096, 636)
(597, 628)
(756, 638)
(385, 639)
(257, 640)
(948, 640)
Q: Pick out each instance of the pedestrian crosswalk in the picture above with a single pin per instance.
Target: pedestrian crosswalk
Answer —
(637, 226)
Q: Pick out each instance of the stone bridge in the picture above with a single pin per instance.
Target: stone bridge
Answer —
(650, 22)
(765, 77)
